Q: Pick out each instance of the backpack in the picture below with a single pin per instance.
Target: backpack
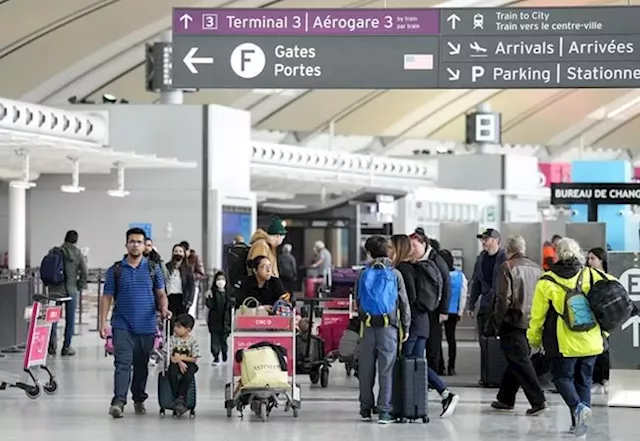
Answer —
(429, 284)
(577, 311)
(52, 268)
(378, 292)
(117, 271)
(610, 303)
(237, 258)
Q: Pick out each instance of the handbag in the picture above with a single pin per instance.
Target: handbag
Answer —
(256, 310)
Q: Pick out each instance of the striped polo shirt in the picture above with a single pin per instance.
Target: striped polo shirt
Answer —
(135, 301)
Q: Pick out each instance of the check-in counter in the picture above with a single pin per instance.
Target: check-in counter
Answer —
(14, 297)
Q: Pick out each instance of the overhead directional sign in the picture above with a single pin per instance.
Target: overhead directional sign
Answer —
(501, 48)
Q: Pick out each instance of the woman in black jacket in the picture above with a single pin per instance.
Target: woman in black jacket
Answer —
(261, 285)
(219, 303)
(180, 282)
(402, 258)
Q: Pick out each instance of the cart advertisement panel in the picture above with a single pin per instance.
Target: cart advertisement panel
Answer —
(247, 339)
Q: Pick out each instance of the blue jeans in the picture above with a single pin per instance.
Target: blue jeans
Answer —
(377, 346)
(69, 322)
(573, 379)
(131, 351)
(416, 347)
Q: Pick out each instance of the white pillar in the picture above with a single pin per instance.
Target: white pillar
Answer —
(17, 227)
(170, 96)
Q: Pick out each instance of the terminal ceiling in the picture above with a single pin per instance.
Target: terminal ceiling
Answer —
(51, 50)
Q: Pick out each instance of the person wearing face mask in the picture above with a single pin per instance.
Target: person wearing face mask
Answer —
(180, 282)
(219, 303)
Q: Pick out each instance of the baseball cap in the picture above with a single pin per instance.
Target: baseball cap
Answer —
(489, 232)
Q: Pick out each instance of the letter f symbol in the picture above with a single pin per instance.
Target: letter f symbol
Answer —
(245, 58)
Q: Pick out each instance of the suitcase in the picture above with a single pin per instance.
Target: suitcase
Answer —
(311, 285)
(410, 390)
(493, 363)
(166, 397)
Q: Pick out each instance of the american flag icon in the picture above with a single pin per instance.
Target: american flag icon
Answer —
(418, 62)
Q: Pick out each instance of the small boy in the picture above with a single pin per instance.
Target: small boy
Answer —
(383, 309)
(185, 352)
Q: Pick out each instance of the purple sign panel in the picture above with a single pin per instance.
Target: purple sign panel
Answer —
(197, 21)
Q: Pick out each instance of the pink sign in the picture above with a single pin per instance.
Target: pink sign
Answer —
(38, 345)
(336, 304)
(554, 173)
(243, 342)
(330, 318)
(53, 314)
(636, 174)
(271, 322)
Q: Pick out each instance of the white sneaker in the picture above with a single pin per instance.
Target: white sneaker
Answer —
(605, 386)
(152, 362)
(215, 363)
(597, 389)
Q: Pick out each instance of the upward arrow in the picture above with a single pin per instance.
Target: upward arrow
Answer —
(635, 323)
(453, 19)
(186, 19)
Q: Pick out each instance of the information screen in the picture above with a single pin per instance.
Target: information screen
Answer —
(236, 221)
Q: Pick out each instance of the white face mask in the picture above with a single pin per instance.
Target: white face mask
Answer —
(221, 284)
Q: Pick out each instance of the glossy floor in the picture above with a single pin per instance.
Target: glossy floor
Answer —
(79, 411)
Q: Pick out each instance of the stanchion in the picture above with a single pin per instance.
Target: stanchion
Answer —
(97, 328)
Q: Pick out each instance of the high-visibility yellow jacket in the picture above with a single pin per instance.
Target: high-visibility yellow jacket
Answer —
(546, 311)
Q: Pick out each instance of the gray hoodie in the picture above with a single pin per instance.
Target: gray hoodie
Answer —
(403, 300)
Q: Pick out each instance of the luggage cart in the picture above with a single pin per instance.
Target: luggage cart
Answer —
(41, 315)
(335, 321)
(245, 332)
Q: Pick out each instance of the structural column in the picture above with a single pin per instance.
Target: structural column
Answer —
(174, 96)
(17, 227)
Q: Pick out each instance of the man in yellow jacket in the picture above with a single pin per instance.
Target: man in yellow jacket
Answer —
(265, 243)
(572, 353)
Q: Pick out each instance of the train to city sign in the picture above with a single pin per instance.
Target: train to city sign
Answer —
(478, 48)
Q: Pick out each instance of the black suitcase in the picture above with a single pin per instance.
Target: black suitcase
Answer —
(166, 397)
(493, 363)
(410, 390)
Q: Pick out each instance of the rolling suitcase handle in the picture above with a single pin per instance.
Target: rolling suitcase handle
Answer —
(166, 336)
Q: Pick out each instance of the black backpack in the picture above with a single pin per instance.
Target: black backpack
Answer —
(52, 268)
(429, 284)
(237, 258)
(610, 302)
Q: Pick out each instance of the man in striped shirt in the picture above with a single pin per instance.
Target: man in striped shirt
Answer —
(136, 285)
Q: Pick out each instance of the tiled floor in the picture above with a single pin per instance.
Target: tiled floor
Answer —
(79, 411)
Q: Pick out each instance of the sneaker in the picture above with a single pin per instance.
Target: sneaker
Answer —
(583, 415)
(605, 387)
(139, 408)
(497, 405)
(116, 410)
(365, 415)
(451, 371)
(537, 409)
(384, 418)
(572, 429)
(597, 389)
(68, 352)
(52, 350)
(449, 405)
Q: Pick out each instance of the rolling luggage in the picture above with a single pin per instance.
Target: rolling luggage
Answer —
(311, 285)
(343, 280)
(166, 397)
(410, 390)
(492, 362)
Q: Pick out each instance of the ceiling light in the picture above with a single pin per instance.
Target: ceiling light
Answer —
(623, 108)
(72, 189)
(118, 193)
(109, 99)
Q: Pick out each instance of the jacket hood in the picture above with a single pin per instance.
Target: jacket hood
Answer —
(71, 252)
(383, 260)
(566, 269)
(260, 234)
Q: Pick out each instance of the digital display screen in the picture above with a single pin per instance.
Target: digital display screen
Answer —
(236, 221)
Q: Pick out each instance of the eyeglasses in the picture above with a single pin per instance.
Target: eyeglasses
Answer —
(266, 267)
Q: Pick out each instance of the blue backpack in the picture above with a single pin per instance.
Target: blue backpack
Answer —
(378, 292)
(52, 268)
(577, 310)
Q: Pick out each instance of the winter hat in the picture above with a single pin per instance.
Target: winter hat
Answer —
(276, 226)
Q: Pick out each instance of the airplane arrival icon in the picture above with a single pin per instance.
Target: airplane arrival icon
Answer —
(479, 51)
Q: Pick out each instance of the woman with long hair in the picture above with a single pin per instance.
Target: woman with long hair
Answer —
(180, 282)
(597, 259)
